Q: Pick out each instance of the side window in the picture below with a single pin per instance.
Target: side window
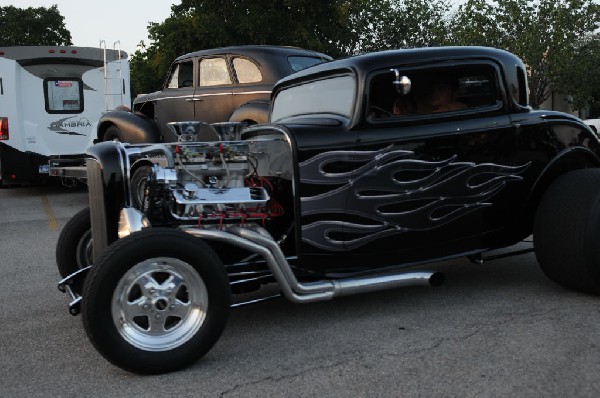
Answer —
(182, 75)
(63, 95)
(246, 71)
(434, 91)
(523, 93)
(214, 72)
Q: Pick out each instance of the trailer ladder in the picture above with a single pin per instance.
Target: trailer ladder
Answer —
(110, 79)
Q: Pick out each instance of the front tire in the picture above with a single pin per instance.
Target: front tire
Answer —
(74, 246)
(156, 301)
(567, 230)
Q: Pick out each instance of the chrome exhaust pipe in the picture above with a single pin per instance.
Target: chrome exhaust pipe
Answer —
(260, 242)
(345, 287)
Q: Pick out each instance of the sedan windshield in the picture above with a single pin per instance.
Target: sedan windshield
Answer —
(299, 62)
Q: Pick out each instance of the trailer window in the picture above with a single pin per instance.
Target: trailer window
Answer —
(63, 95)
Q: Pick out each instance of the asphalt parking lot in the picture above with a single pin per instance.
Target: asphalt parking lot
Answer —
(493, 330)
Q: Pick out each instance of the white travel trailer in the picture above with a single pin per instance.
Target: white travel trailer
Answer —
(50, 101)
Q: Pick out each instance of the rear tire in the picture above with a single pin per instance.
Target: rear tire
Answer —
(567, 231)
(156, 301)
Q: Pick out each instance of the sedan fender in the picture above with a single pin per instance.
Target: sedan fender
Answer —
(134, 128)
(255, 111)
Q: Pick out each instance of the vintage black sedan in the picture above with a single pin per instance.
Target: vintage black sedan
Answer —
(228, 84)
(369, 167)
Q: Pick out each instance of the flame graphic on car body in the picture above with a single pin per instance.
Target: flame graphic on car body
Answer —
(394, 194)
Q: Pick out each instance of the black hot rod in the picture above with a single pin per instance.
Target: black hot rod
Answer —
(368, 166)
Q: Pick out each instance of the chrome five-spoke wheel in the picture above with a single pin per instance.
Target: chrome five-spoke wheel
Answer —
(159, 304)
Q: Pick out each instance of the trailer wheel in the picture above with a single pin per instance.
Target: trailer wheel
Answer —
(156, 301)
(112, 133)
(74, 246)
(566, 231)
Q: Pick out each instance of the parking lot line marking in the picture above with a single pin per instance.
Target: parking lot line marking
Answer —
(52, 224)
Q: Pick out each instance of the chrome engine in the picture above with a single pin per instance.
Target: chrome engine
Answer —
(212, 182)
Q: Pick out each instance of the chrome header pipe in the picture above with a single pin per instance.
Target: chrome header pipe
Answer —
(260, 242)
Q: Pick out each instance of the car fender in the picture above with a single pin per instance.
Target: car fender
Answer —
(255, 111)
(108, 186)
(572, 158)
(136, 128)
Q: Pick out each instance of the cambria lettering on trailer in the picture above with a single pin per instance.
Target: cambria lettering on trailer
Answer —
(61, 126)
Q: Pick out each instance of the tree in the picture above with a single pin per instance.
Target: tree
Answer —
(578, 77)
(392, 24)
(33, 27)
(546, 34)
(316, 24)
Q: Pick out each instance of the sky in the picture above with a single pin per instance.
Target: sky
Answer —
(89, 22)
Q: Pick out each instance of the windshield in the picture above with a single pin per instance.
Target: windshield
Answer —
(332, 95)
(298, 62)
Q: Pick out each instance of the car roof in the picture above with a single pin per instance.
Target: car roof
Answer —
(365, 63)
(361, 66)
(256, 51)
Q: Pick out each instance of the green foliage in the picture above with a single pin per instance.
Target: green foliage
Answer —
(317, 24)
(546, 34)
(577, 74)
(397, 24)
(33, 27)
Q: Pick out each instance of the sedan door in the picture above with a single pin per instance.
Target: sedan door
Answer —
(213, 95)
(176, 102)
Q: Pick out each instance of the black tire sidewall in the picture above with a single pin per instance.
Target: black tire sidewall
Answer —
(139, 175)
(566, 231)
(592, 244)
(70, 237)
(110, 268)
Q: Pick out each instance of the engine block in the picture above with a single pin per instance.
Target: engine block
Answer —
(213, 182)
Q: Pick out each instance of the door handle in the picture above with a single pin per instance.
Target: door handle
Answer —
(193, 99)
